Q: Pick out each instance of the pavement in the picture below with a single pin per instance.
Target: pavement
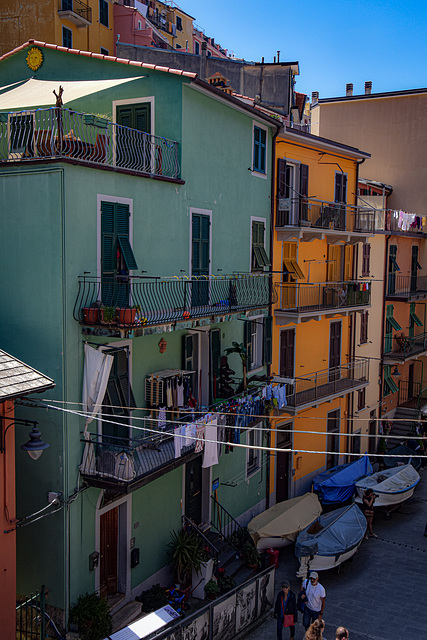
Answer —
(382, 593)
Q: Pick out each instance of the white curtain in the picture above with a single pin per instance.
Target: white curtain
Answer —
(95, 378)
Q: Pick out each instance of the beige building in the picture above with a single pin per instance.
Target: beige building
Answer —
(391, 126)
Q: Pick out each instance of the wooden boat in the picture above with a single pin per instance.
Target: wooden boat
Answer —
(279, 526)
(392, 486)
(332, 539)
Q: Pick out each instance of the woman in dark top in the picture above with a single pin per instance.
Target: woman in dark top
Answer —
(286, 604)
(368, 509)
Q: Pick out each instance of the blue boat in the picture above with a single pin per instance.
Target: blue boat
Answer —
(403, 450)
(330, 540)
(337, 485)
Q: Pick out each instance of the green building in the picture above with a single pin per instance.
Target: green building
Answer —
(135, 240)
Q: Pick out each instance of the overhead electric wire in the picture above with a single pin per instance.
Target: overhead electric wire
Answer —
(231, 444)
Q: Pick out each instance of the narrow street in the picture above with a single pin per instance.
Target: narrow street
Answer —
(381, 594)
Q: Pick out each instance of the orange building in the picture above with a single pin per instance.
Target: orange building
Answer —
(318, 236)
(17, 380)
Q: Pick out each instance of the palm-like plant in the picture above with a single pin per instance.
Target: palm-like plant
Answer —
(187, 554)
(240, 349)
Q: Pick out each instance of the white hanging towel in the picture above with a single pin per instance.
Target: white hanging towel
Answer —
(210, 456)
(96, 372)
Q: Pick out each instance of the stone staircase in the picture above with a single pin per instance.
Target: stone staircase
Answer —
(401, 427)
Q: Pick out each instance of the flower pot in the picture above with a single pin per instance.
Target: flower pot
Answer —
(91, 315)
(109, 316)
(127, 316)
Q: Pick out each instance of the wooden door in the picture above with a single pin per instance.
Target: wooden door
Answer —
(108, 583)
(287, 353)
(283, 465)
(193, 490)
(334, 350)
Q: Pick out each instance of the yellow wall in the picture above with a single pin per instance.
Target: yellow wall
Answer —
(187, 31)
(39, 20)
(312, 337)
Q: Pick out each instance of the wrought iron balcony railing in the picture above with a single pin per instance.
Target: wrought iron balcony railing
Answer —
(407, 287)
(81, 12)
(110, 459)
(402, 346)
(320, 385)
(322, 296)
(62, 133)
(124, 301)
(318, 214)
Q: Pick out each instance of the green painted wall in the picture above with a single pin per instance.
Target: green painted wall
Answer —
(49, 237)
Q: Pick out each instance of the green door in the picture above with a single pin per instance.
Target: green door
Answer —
(200, 250)
(134, 150)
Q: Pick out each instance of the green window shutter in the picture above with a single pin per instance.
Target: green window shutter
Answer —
(389, 384)
(124, 116)
(122, 218)
(215, 338)
(303, 188)
(200, 241)
(259, 255)
(127, 252)
(267, 351)
(281, 178)
(187, 353)
(259, 152)
(413, 316)
(137, 116)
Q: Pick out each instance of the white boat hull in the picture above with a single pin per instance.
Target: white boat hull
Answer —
(388, 499)
(272, 543)
(322, 563)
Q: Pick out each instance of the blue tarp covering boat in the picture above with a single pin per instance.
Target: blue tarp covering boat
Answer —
(338, 484)
(390, 461)
(333, 533)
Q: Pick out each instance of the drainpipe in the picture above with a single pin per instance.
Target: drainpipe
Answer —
(270, 306)
(203, 56)
(382, 325)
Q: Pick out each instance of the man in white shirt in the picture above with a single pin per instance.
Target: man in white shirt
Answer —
(315, 603)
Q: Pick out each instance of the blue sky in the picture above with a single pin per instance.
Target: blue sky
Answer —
(335, 42)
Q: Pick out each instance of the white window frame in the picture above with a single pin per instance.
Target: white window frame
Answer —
(254, 172)
(257, 439)
(256, 219)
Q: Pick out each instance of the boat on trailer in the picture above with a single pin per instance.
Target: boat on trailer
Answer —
(331, 540)
(392, 486)
(337, 485)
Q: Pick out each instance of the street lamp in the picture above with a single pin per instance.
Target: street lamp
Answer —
(35, 445)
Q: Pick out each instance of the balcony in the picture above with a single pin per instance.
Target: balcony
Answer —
(77, 12)
(125, 303)
(406, 288)
(62, 134)
(409, 393)
(323, 386)
(127, 463)
(402, 347)
(307, 219)
(299, 302)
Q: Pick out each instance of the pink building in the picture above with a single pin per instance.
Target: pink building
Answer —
(131, 27)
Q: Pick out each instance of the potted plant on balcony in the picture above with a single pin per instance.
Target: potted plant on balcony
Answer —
(127, 315)
(108, 315)
(250, 555)
(91, 314)
(91, 615)
(211, 589)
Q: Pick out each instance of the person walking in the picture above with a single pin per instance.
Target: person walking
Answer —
(368, 510)
(341, 633)
(285, 610)
(315, 631)
(315, 603)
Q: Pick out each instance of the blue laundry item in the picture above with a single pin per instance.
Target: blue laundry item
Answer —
(340, 531)
(338, 484)
(268, 392)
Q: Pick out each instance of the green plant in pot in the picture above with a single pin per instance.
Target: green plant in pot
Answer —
(109, 315)
(152, 599)
(250, 555)
(226, 583)
(187, 555)
(211, 589)
(91, 615)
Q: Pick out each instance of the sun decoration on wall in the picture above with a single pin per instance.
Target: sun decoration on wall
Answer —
(34, 58)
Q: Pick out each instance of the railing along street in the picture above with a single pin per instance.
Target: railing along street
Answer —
(138, 301)
(62, 133)
(322, 295)
(333, 216)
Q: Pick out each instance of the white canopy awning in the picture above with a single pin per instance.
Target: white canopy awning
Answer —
(39, 93)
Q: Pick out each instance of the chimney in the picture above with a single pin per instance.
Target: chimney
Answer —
(314, 97)
(203, 60)
(349, 89)
(368, 87)
(274, 59)
(278, 56)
